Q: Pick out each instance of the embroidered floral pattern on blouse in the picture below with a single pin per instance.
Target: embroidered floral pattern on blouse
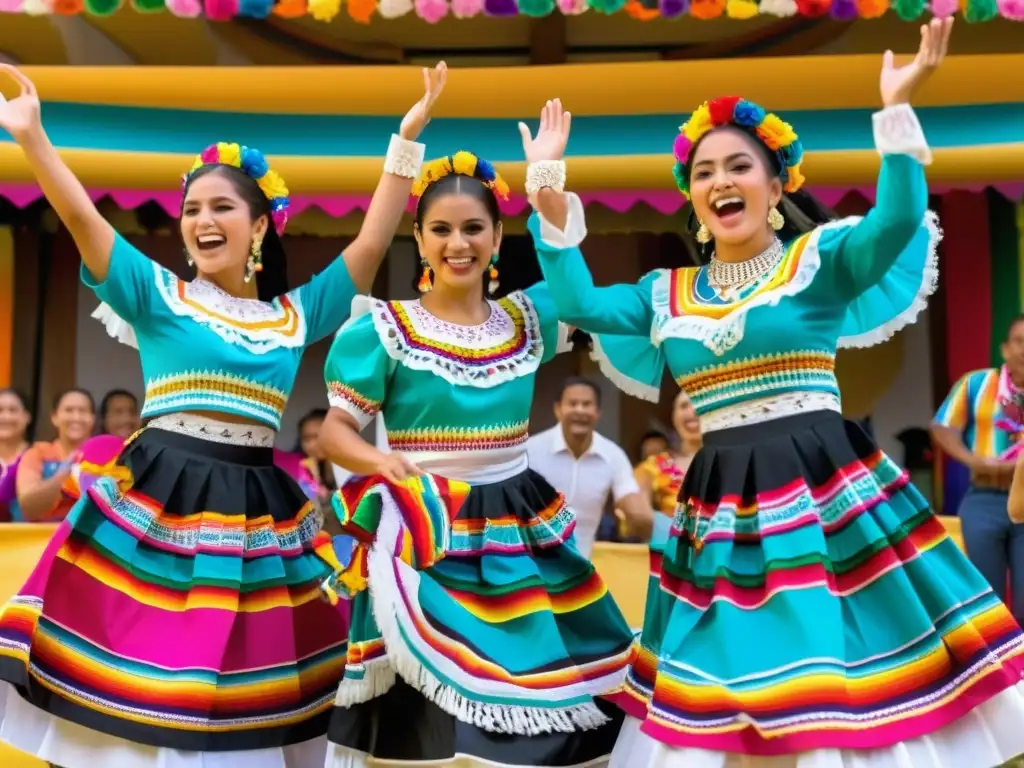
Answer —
(259, 326)
(740, 381)
(205, 390)
(506, 346)
(459, 438)
(360, 407)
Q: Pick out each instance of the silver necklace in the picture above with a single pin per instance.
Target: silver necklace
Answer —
(733, 274)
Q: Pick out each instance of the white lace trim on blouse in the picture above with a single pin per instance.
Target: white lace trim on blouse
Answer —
(233, 318)
(464, 355)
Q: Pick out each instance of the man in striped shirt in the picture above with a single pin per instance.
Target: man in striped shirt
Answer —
(978, 425)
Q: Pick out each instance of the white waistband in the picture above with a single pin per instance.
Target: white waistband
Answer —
(768, 409)
(214, 430)
(473, 467)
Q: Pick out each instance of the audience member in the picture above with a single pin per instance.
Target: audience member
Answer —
(15, 417)
(119, 414)
(45, 488)
(585, 466)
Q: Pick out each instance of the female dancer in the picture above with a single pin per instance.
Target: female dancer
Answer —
(812, 611)
(14, 420)
(484, 636)
(175, 619)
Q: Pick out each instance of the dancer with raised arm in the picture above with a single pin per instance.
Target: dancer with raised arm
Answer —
(175, 618)
(812, 611)
(484, 636)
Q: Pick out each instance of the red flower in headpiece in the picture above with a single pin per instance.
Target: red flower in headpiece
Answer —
(813, 8)
(722, 109)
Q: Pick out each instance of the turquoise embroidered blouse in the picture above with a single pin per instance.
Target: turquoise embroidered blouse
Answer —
(205, 350)
(455, 399)
(849, 283)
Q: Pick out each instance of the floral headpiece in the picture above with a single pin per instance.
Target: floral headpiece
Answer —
(253, 164)
(776, 135)
(463, 164)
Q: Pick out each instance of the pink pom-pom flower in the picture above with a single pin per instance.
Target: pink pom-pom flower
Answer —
(210, 155)
(572, 7)
(1011, 9)
(185, 9)
(467, 9)
(943, 8)
(431, 11)
(10, 6)
(681, 148)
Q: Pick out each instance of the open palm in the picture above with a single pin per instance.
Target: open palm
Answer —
(899, 84)
(416, 119)
(21, 114)
(552, 136)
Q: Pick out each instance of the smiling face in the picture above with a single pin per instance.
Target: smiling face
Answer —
(685, 419)
(74, 417)
(14, 418)
(578, 410)
(732, 187)
(217, 224)
(457, 235)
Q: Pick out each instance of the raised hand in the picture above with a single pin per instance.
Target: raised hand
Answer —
(19, 116)
(552, 136)
(416, 119)
(899, 84)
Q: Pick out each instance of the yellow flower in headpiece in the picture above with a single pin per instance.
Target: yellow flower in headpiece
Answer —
(432, 171)
(775, 133)
(196, 165)
(698, 124)
(273, 185)
(464, 163)
(741, 9)
(229, 154)
(324, 10)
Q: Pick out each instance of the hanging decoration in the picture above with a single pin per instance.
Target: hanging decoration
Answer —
(433, 11)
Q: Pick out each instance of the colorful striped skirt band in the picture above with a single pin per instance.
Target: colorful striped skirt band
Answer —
(807, 598)
(181, 607)
(508, 636)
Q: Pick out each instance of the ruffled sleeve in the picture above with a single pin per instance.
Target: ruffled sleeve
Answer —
(633, 363)
(357, 368)
(885, 265)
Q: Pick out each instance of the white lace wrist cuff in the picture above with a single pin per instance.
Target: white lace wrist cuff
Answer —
(898, 132)
(564, 339)
(404, 158)
(575, 231)
(545, 173)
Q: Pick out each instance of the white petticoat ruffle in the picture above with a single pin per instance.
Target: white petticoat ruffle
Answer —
(69, 745)
(985, 737)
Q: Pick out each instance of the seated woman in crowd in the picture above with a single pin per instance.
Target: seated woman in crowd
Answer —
(45, 487)
(119, 414)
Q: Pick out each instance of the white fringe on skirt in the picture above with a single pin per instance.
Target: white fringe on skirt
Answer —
(986, 737)
(391, 613)
(69, 745)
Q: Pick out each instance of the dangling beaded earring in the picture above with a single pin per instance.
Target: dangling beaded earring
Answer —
(425, 283)
(775, 220)
(255, 262)
(492, 273)
(188, 258)
(703, 234)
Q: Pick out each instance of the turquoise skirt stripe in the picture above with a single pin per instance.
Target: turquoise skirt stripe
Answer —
(133, 129)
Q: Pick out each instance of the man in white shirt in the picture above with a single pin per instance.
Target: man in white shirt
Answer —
(585, 466)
